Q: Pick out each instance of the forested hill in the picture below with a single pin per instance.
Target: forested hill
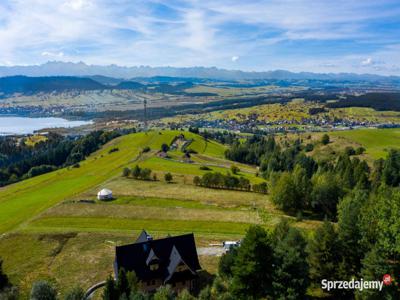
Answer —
(23, 85)
(378, 101)
(32, 85)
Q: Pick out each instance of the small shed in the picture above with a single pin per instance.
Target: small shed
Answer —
(105, 194)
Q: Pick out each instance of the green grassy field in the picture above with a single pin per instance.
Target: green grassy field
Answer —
(48, 234)
(376, 141)
(21, 201)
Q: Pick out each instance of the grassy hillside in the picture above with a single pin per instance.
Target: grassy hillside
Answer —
(376, 141)
(26, 199)
(48, 233)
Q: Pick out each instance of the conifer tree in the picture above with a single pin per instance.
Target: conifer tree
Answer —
(252, 271)
(290, 277)
(323, 254)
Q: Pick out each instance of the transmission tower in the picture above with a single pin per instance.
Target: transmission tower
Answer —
(145, 113)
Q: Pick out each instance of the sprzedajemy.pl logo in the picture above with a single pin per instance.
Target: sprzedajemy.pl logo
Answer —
(356, 284)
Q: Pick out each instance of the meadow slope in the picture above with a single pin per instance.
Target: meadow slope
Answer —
(22, 201)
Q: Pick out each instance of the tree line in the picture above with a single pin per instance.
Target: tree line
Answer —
(139, 173)
(228, 181)
(224, 137)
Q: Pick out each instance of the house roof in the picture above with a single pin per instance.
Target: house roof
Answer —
(143, 237)
(168, 252)
(175, 259)
(104, 192)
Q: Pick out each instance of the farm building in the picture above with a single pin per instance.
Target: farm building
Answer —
(104, 194)
(169, 260)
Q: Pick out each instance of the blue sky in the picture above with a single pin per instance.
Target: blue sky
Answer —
(321, 36)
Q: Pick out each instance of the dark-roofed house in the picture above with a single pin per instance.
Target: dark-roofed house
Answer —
(169, 260)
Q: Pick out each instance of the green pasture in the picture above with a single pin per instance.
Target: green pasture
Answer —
(23, 200)
(126, 187)
(119, 225)
(376, 141)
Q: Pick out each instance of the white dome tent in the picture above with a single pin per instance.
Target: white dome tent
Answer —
(105, 194)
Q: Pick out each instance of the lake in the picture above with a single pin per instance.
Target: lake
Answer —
(24, 125)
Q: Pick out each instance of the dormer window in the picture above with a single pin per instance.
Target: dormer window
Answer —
(153, 261)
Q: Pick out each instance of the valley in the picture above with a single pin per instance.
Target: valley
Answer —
(185, 133)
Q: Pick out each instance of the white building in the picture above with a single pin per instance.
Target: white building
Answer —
(104, 194)
(228, 245)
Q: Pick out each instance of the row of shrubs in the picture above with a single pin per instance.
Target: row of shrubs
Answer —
(138, 173)
(144, 174)
(210, 180)
(228, 181)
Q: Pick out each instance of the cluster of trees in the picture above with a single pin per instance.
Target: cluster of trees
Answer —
(228, 181)
(222, 181)
(138, 173)
(43, 290)
(253, 151)
(270, 156)
(266, 265)
(284, 264)
(321, 190)
(300, 183)
(144, 174)
(224, 137)
(126, 287)
(363, 245)
(260, 187)
(19, 160)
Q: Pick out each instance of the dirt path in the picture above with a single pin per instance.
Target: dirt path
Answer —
(211, 251)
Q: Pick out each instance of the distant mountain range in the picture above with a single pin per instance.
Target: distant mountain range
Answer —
(24, 85)
(107, 74)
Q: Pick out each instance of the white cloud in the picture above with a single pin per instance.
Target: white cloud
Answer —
(198, 35)
(52, 54)
(261, 34)
(77, 4)
(367, 62)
